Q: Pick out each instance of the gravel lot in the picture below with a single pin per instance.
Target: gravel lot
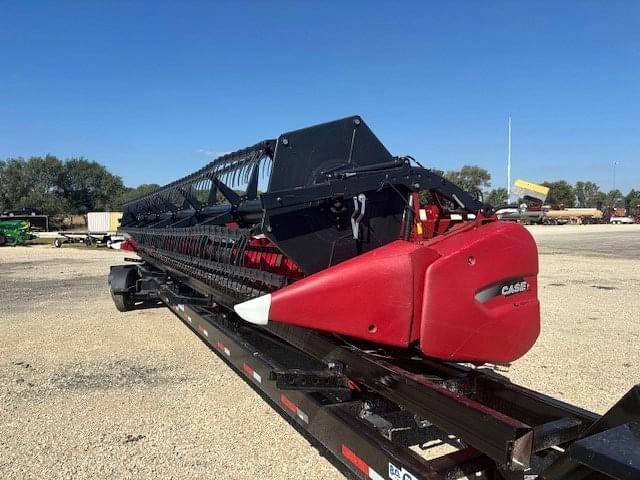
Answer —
(87, 392)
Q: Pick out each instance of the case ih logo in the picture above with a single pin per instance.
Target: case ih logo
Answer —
(506, 288)
(513, 288)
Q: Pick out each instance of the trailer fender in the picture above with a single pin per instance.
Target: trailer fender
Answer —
(122, 278)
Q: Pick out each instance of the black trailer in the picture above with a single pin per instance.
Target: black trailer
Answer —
(39, 223)
(368, 412)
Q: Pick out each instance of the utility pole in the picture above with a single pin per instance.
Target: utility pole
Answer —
(615, 163)
(509, 164)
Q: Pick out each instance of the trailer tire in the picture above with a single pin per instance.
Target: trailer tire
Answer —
(3, 240)
(122, 280)
(57, 243)
(122, 301)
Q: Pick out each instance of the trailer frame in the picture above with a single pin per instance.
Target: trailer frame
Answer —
(365, 411)
(85, 237)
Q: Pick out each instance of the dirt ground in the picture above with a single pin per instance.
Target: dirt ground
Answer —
(87, 392)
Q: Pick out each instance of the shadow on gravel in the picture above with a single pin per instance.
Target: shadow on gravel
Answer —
(111, 375)
(17, 290)
(22, 381)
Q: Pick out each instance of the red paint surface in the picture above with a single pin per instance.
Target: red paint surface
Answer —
(369, 296)
(453, 324)
(424, 292)
(270, 261)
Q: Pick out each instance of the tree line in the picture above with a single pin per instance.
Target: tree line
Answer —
(56, 187)
(561, 193)
(79, 185)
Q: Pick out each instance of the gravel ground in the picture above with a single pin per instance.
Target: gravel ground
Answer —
(88, 392)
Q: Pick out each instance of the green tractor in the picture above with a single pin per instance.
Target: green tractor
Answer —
(14, 232)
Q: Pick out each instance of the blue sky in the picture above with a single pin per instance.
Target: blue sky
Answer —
(152, 89)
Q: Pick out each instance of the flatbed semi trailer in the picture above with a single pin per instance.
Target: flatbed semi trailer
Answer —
(366, 411)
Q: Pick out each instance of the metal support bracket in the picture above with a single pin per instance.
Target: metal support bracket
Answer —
(359, 208)
(327, 381)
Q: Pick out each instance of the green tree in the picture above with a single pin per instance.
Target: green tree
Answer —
(132, 193)
(633, 197)
(588, 194)
(470, 178)
(497, 197)
(89, 186)
(33, 183)
(54, 187)
(3, 194)
(632, 201)
(560, 193)
(12, 182)
(614, 199)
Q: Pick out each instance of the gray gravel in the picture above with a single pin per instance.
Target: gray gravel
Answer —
(88, 392)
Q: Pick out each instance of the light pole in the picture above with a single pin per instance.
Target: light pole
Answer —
(615, 163)
(509, 163)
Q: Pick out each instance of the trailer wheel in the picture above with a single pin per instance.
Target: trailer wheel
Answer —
(122, 281)
(3, 240)
(122, 301)
(57, 243)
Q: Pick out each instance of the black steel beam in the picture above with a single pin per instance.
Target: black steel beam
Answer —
(357, 446)
(506, 440)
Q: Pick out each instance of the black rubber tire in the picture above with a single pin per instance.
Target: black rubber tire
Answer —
(125, 279)
(3, 239)
(122, 301)
(57, 243)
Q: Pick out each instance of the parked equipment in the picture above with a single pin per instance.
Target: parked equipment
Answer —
(14, 232)
(622, 220)
(572, 215)
(38, 222)
(103, 221)
(529, 191)
(344, 300)
(86, 238)
(101, 231)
